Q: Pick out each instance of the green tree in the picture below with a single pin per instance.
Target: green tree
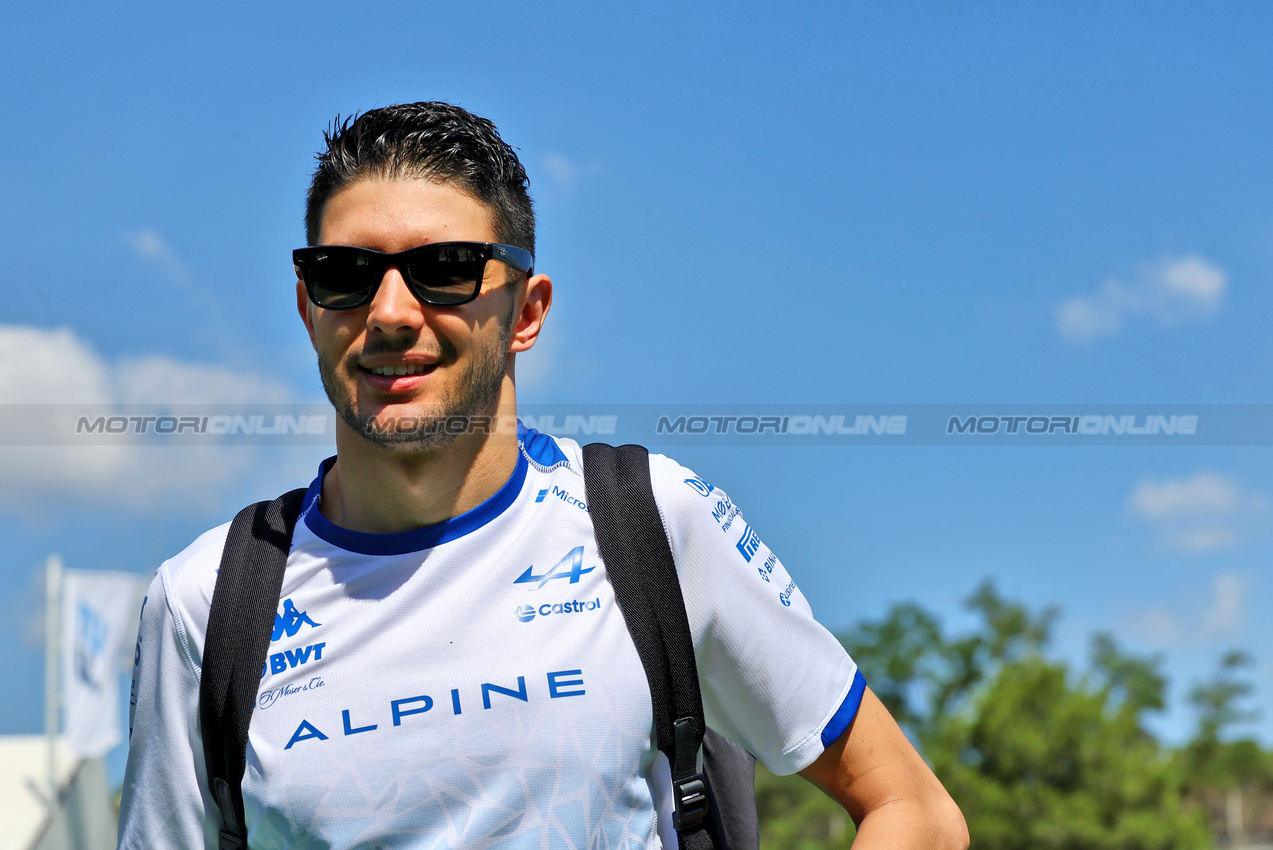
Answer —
(1218, 766)
(796, 815)
(922, 676)
(1036, 755)
(1047, 761)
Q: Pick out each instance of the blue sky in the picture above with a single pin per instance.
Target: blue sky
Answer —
(844, 203)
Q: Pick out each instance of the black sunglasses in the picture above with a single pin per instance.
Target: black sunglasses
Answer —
(444, 274)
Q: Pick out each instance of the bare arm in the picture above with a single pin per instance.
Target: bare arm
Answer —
(888, 790)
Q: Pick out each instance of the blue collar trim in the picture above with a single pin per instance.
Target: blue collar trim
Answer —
(540, 449)
(419, 538)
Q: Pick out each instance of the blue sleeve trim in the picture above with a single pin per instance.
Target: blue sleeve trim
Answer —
(848, 710)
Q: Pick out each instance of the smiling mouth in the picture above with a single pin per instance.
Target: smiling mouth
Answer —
(401, 370)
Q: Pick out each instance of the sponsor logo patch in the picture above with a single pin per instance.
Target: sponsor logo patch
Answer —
(570, 567)
(700, 486)
(526, 613)
(748, 543)
(290, 621)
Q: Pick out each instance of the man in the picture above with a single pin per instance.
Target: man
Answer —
(449, 667)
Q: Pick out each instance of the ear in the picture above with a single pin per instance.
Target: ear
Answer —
(537, 297)
(306, 310)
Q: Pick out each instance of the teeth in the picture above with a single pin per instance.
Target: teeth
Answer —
(399, 370)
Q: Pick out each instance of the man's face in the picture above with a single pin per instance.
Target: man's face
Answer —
(454, 359)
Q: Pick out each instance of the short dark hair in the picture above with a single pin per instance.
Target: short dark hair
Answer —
(432, 141)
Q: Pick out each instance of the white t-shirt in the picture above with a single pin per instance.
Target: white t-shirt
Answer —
(472, 683)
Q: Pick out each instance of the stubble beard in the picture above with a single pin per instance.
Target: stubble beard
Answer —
(476, 396)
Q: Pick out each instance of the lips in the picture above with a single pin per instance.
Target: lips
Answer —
(397, 377)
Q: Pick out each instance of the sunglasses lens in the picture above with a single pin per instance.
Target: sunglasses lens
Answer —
(448, 275)
(341, 279)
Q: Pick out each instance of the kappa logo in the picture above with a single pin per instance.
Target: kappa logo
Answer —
(290, 621)
(570, 567)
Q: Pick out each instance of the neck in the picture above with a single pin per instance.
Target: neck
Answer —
(379, 490)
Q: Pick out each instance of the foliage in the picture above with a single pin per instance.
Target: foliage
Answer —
(796, 815)
(1036, 755)
(1216, 765)
(1046, 762)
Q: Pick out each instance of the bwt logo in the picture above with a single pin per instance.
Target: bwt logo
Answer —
(288, 624)
(279, 662)
(526, 613)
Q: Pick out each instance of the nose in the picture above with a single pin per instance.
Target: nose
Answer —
(394, 308)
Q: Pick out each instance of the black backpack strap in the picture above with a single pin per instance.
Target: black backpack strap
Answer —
(240, 624)
(638, 561)
(731, 779)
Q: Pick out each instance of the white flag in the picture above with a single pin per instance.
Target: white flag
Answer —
(99, 615)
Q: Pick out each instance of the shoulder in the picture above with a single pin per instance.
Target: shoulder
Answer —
(678, 488)
(185, 584)
(692, 509)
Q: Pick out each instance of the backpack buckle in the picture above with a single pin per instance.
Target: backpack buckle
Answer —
(228, 840)
(690, 798)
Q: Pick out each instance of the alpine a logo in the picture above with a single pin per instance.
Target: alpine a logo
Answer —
(570, 567)
(526, 613)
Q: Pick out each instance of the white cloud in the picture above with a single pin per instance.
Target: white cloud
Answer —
(56, 369)
(567, 173)
(150, 246)
(1157, 625)
(1224, 617)
(1084, 318)
(1170, 292)
(1195, 623)
(1202, 539)
(162, 380)
(40, 366)
(1202, 513)
(563, 171)
(1202, 494)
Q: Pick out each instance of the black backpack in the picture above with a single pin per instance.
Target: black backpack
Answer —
(713, 809)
